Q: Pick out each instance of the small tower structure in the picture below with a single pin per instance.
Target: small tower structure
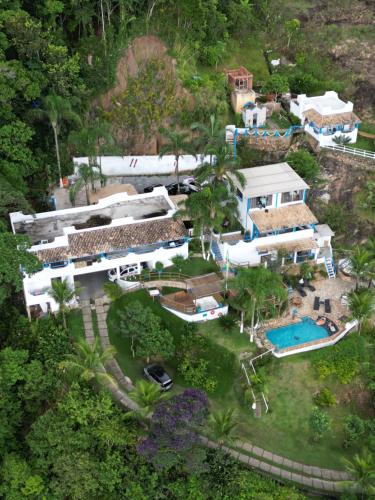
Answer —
(241, 83)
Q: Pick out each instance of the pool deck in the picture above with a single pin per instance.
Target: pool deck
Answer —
(325, 289)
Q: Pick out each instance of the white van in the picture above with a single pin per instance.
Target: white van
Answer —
(127, 270)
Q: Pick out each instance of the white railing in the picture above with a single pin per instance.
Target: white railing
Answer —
(350, 150)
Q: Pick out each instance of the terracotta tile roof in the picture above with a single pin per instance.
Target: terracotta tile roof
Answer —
(331, 120)
(86, 243)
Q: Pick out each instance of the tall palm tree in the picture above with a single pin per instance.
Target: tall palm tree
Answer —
(62, 293)
(90, 360)
(362, 469)
(177, 145)
(211, 136)
(258, 289)
(360, 263)
(224, 167)
(223, 424)
(88, 174)
(56, 109)
(89, 141)
(146, 395)
(195, 209)
(361, 305)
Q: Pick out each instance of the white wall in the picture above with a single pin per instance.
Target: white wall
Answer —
(43, 278)
(145, 165)
(327, 140)
(202, 316)
(245, 252)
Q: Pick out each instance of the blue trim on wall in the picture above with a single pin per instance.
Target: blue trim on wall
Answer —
(304, 195)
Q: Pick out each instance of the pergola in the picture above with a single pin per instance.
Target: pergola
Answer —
(240, 79)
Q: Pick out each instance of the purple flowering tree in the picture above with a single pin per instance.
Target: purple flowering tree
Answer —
(174, 432)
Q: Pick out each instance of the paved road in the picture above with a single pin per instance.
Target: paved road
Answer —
(138, 181)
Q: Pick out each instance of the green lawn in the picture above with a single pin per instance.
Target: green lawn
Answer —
(74, 321)
(281, 120)
(194, 266)
(364, 143)
(291, 384)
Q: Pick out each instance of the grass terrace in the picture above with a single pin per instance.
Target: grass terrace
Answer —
(290, 385)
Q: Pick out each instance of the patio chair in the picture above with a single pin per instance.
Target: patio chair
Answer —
(316, 303)
(301, 291)
(327, 306)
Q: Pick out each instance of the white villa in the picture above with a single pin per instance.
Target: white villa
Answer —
(120, 230)
(254, 114)
(325, 117)
(274, 216)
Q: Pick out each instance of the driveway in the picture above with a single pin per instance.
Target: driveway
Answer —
(92, 285)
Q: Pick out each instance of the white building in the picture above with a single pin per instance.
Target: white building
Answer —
(274, 217)
(325, 117)
(254, 115)
(120, 230)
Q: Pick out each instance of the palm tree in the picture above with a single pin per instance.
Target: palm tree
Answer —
(146, 395)
(56, 109)
(362, 469)
(223, 424)
(178, 145)
(90, 360)
(195, 209)
(89, 141)
(361, 306)
(359, 263)
(62, 293)
(257, 290)
(224, 167)
(211, 136)
(88, 174)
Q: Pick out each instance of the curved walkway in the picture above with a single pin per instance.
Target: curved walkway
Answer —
(306, 476)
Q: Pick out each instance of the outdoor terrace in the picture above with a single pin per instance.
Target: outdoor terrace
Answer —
(290, 216)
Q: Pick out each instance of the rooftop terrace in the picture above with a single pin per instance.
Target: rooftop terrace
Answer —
(49, 225)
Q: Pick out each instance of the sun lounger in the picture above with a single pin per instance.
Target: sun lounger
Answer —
(309, 287)
(301, 291)
(327, 306)
(316, 303)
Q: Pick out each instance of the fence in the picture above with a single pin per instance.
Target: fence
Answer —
(353, 151)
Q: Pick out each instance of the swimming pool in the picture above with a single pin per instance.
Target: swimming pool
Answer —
(296, 333)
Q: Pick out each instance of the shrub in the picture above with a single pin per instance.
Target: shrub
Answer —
(305, 164)
(325, 397)
(342, 360)
(319, 423)
(354, 429)
(227, 322)
(195, 372)
(113, 290)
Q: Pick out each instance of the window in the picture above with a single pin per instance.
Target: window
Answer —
(261, 201)
(239, 194)
(292, 196)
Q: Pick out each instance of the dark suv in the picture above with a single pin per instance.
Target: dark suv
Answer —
(157, 374)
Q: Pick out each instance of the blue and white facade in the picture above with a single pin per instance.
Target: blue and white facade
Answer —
(274, 215)
(326, 117)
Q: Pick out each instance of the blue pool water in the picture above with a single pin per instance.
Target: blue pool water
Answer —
(296, 333)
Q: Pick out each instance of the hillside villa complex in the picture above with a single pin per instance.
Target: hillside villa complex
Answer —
(139, 230)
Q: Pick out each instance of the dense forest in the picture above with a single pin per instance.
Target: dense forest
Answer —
(63, 437)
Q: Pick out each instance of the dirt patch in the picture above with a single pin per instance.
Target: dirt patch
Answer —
(138, 54)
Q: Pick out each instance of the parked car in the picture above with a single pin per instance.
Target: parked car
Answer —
(157, 374)
(174, 244)
(148, 189)
(127, 270)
